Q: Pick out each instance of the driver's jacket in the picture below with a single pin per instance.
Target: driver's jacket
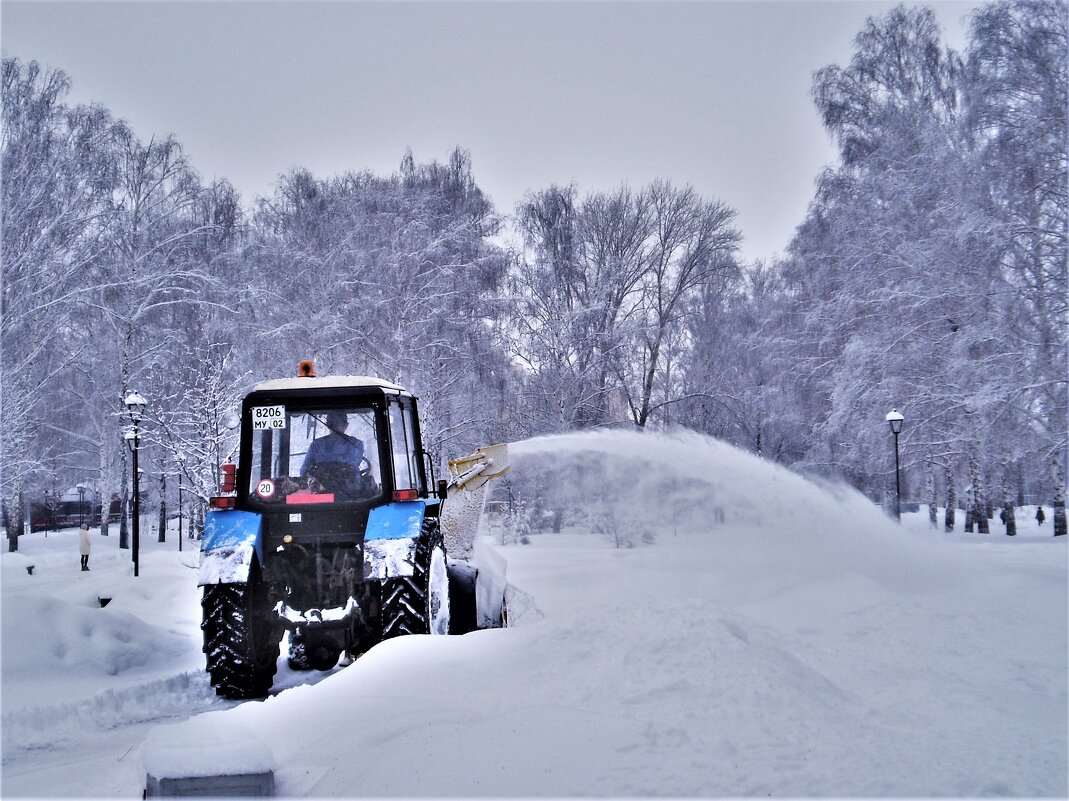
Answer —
(334, 447)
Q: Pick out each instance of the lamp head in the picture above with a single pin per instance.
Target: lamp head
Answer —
(135, 404)
(895, 420)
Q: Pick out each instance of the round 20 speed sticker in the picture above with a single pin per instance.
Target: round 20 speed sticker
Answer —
(265, 488)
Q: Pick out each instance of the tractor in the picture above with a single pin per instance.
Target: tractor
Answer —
(330, 526)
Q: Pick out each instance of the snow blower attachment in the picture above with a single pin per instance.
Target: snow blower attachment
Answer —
(332, 529)
(473, 471)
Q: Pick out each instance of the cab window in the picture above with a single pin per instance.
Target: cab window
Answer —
(321, 456)
(402, 437)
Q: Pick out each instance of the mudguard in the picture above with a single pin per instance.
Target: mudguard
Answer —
(390, 539)
(231, 540)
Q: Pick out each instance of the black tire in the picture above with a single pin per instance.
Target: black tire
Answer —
(240, 639)
(410, 605)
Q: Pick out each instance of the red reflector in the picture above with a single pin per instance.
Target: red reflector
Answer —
(222, 503)
(405, 495)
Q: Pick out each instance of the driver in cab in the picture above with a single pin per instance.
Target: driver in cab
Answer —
(337, 447)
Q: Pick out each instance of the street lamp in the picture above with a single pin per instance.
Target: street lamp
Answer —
(135, 405)
(81, 502)
(894, 419)
(181, 464)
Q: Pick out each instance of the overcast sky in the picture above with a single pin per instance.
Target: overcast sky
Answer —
(712, 94)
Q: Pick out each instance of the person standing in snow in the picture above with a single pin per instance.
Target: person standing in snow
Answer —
(1040, 517)
(83, 545)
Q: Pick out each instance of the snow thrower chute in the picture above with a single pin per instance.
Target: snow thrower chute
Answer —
(472, 471)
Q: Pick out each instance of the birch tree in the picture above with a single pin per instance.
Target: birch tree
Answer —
(56, 178)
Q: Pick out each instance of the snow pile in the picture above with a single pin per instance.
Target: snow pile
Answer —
(80, 638)
(15, 565)
(208, 745)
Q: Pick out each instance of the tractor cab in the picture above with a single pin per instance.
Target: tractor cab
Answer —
(331, 444)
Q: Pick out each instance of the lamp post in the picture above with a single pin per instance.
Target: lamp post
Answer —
(81, 503)
(135, 405)
(894, 419)
(181, 463)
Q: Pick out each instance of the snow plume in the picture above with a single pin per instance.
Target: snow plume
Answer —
(655, 485)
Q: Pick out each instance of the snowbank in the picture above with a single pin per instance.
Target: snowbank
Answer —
(207, 745)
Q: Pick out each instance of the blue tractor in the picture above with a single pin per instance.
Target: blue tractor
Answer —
(330, 526)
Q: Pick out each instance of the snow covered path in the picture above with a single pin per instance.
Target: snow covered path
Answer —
(672, 678)
(805, 646)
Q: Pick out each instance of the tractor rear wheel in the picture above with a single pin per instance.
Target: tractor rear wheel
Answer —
(240, 638)
(419, 604)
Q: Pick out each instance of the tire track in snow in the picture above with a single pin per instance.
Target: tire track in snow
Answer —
(174, 698)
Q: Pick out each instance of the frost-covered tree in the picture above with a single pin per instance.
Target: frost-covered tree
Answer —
(576, 289)
(394, 276)
(603, 290)
(1017, 99)
(693, 245)
(188, 423)
(735, 385)
(55, 183)
(152, 284)
(918, 278)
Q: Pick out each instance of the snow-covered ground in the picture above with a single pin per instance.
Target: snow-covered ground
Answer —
(776, 638)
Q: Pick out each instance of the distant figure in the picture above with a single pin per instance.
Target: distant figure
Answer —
(1040, 517)
(83, 544)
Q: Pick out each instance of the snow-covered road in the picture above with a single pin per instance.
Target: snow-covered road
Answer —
(804, 646)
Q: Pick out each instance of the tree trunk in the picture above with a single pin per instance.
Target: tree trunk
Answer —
(978, 497)
(1059, 498)
(933, 517)
(952, 499)
(16, 520)
(1020, 483)
(197, 524)
(124, 515)
(105, 512)
(105, 495)
(1011, 520)
(163, 509)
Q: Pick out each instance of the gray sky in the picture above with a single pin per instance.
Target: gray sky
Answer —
(712, 94)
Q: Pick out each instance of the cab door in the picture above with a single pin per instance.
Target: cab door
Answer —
(409, 478)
